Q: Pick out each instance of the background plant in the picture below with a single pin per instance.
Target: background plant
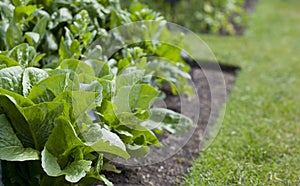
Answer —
(62, 112)
(208, 16)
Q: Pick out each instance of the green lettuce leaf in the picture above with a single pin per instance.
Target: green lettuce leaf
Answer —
(19, 100)
(31, 77)
(32, 124)
(24, 54)
(169, 120)
(11, 79)
(7, 61)
(102, 140)
(73, 172)
(41, 118)
(77, 66)
(50, 87)
(11, 148)
(142, 96)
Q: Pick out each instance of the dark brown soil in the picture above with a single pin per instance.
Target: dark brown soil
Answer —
(170, 171)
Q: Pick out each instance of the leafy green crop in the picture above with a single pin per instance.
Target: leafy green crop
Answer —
(66, 110)
(208, 16)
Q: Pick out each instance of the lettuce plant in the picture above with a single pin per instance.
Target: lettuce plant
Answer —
(66, 112)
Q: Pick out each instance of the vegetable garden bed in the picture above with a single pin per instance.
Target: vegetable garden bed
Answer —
(169, 172)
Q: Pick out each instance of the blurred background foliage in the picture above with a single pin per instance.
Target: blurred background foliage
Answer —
(226, 17)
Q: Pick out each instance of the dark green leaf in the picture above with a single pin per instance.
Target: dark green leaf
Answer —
(18, 121)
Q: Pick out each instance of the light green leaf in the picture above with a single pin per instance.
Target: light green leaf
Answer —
(63, 153)
(107, 84)
(21, 11)
(142, 96)
(95, 87)
(169, 120)
(62, 140)
(77, 66)
(74, 172)
(7, 61)
(11, 148)
(24, 54)
(63, 50)
(7, 11)
(79, 103)
(41, 120)
(20, 100)
(107, 114)
(31, 77)
(32, 38)
(50, 87)
(50, 42)
(41, 26)
(129, 77)
(102, 140)
(62, 15)
(14, 35)
(138, 150)
(11, 79)
(50, 164)
(77, 170)
(32, 124)
(100, 68)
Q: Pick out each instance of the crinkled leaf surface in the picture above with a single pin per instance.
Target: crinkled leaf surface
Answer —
(49, 88)
(24, 54)
(11, 79)
(32, 76)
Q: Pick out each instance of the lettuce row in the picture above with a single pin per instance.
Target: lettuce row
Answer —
(74, 119)
(65, 112)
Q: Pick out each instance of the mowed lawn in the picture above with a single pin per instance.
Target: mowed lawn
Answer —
(259, 143)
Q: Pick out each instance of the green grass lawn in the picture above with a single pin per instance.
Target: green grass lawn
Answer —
(259, 143)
